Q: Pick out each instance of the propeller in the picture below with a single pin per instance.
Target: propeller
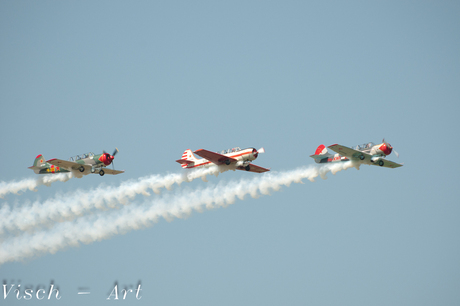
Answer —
(107, 159)
(256, 152)
(390, 147)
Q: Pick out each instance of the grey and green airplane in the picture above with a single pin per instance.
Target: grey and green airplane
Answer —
(81, 164)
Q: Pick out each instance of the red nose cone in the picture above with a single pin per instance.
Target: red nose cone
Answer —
(106, 159)
(386, 149)
(255, 153)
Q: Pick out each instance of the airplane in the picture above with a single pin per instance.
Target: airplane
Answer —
(237, 158)
(369, 154)
(85, 163)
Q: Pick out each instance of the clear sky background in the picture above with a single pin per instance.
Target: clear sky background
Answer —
(154, 79)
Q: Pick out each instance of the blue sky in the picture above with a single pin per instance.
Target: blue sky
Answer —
(154, 79)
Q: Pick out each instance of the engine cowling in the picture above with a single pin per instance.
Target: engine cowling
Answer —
(386, 148)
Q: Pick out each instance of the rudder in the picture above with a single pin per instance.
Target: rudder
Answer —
(39, 164)
(39, 161)
(321, 150)
(188, 155)
(187, 158)
(321, 154)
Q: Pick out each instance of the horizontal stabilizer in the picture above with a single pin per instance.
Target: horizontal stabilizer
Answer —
(36, 167)
(320, 158)
(316, 156)
(185, 161)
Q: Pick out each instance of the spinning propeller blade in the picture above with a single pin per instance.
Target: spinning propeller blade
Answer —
(389, 146)
(109, 158)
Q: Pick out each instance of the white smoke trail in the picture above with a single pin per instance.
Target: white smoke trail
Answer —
(102, 226)
(69, 207)
(31, 184)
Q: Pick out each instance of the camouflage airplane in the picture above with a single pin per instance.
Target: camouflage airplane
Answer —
(368, 153)
(84, 163)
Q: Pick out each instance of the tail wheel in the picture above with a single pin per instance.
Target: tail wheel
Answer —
(81, 169)
(247, 168)
(380, 163)
(101, 172)
(361, 157)
(227, 162)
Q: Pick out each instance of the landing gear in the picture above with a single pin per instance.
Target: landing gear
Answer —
(361, 157)
(227, 162)
(247, 168)
(101, 172)
(381, 163)
(81, 169)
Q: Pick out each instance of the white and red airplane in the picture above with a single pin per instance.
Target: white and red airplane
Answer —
(369, 154)
(236, 158)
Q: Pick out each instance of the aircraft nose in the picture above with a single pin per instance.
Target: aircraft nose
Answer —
(386, 149)
(108, 159)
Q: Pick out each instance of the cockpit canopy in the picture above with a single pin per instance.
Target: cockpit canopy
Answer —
(235, 149)
(81, 156)
(365, 146)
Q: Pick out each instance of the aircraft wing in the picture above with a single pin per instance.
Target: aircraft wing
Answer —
(110, 171)
(349, 152)
(67, 164)
(389, 164)
(254, 168)
(216, 158)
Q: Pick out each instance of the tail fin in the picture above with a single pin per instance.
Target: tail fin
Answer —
(321, 154)
(187, 158)
(321, 150)
(39, 163)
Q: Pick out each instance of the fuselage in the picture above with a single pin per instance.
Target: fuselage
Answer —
(48, 168)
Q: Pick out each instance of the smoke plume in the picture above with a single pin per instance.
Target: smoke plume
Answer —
(104, 224)
(31, 184)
